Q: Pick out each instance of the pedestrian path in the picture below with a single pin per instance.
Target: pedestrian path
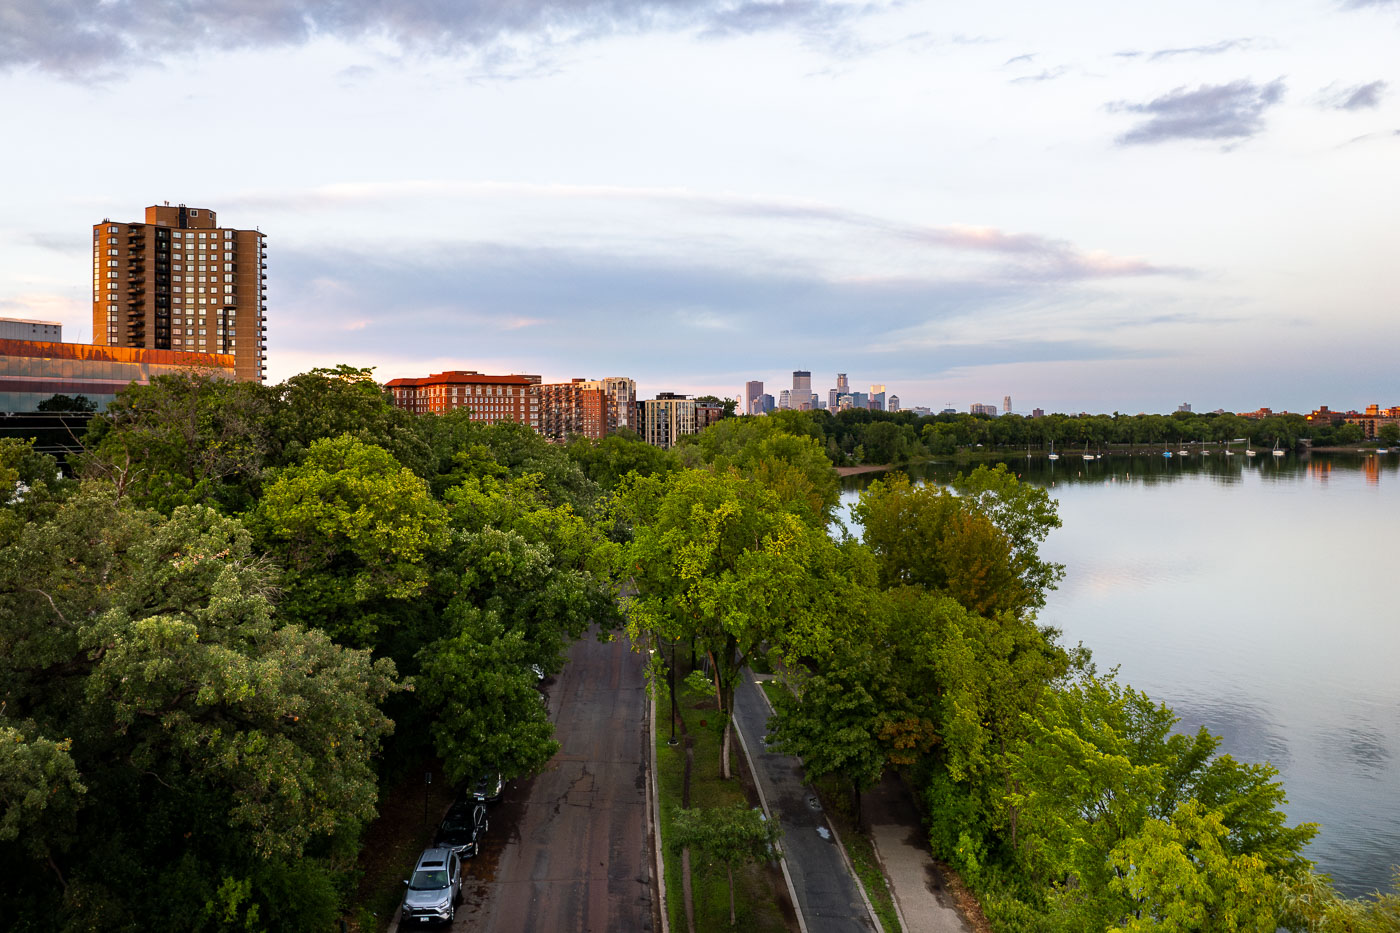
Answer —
(924, 902)
(829, 899)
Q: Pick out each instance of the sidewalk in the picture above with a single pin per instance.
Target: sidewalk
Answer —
(829, 899)
(925, 905)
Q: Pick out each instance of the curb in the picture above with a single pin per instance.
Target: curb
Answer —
(654, 820)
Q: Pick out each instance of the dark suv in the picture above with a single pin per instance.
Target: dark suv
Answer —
(462, 829)
(434, 890)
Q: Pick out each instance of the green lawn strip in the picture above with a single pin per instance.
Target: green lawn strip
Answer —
(756, 903)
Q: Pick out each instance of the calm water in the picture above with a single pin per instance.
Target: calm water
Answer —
(1257, 597)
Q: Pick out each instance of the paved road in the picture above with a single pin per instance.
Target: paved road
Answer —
(826, 892)
(568, 850)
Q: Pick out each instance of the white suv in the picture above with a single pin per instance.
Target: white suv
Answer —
(434, 890)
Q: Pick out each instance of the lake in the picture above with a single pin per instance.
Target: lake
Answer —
(1256, 597)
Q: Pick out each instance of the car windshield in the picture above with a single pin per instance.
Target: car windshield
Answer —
(455, 826)
(429, 880)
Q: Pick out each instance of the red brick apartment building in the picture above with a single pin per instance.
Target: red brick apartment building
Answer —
(490, 398)
(579, 407)
(1370, 421)
(179, 281)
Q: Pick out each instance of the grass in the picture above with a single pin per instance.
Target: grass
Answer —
(755, 898)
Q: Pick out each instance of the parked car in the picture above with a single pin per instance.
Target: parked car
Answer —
(463, 828)
(434, 890)
(487, 787)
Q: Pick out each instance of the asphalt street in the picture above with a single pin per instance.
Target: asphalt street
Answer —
(826, 891)
(567, 850)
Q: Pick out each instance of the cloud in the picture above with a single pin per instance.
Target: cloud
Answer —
(1045, 74)
(666, 321)
(1355, 97)
(1019, 60)
(89, 37)
(1371, 137)
(1215, 48)
(1022, 256)
(1212, 111)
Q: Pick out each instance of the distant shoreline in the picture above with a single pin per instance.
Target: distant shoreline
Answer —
(1132, 450)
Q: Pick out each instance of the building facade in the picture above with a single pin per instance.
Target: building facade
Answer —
(708, 413)
(578, 407)
(14, 328)
(179, 281)
(801, 397)
(490, 398)
(753, 398)
(667, 418)
(978, 408)
(32, 371)
(894, 403)
(877, 398)
(622, 394)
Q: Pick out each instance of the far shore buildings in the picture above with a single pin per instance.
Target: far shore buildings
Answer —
(581, 406)
(490, 398)
(1370, 421)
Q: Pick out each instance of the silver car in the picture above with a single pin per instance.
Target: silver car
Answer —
(434, 890)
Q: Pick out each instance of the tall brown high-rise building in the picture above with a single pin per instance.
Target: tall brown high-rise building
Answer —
(179, 281)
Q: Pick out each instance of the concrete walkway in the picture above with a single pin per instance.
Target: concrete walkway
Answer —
(829, 899)
(925, 905)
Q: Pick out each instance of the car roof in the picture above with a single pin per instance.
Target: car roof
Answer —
(434, 858)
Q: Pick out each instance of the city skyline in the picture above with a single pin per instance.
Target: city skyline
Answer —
(1187, 202)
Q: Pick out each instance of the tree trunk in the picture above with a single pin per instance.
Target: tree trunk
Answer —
(729, 869)
(856, 806)
(720, 700)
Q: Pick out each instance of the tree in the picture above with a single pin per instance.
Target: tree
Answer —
(719, 558)
(1389, 434)
(488, 715)
(354, 531)
(608, 460)
(1177, 876)
(794, 465)
(183, 439)
(730, 836)
(200, 738)
(71, 403)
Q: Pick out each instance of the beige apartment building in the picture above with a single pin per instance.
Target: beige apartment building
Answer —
(490, 398)
(666, 419)
(179, 281)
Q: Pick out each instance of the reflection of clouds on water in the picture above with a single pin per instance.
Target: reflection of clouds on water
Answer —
(1364, 747)
(1246, 731)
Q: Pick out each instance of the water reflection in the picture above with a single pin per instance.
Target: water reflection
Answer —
(1255, 597)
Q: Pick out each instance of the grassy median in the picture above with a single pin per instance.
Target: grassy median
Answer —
(755, 896)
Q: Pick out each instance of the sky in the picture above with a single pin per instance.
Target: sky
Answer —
(1091, 206)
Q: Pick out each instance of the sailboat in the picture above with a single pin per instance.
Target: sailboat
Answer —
(1087, 455)
(1052, 455)
(1204, 449)
(1182, 451)
(1248, 451)
(1166, 452)
(1277, 452)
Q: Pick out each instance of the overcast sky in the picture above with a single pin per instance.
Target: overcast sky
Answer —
(1088, 206)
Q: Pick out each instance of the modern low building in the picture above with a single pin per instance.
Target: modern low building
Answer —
(667, 418)
(14, 328)
(490, 398)
(32, 371)
(179, 281)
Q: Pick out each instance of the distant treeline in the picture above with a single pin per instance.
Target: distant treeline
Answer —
(859, 436)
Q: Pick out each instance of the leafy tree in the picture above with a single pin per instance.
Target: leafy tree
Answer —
(608, 460)
(1389, 434)
(183, 439)
(730, 836)
(354, 531)
(198, 736)
(488, 713)
(720, 559)
(1177, 876)
(73, 403)
(1311, 904)
(791, 464)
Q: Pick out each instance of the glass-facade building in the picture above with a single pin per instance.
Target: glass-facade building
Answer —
(32, 371)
